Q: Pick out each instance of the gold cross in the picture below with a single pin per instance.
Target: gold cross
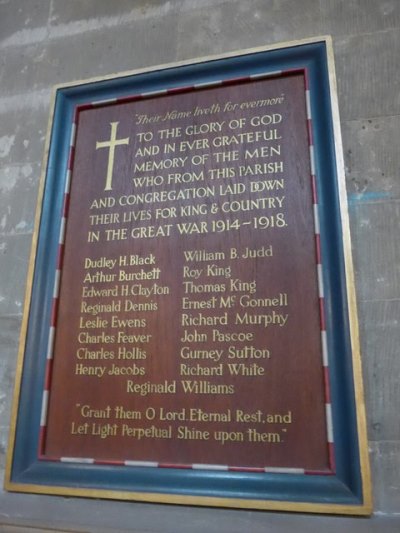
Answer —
(111, 144)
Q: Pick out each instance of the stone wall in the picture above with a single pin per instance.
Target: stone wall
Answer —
(45, 42)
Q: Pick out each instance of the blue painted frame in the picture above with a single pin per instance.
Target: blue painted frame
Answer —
(345, 488)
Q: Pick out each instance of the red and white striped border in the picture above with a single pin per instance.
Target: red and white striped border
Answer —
(56, 291)
(195, 466)
(184, 89)
(324, 346)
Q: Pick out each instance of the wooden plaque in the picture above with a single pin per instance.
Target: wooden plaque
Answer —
(190, 333)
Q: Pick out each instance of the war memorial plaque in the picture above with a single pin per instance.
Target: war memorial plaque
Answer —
(194, 342)
(189, 285)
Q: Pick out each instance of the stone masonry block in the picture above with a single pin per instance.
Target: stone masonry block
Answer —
(380, 341)
(74, 10)
(14, 258)
(102, 13)
(18, 193)
(22, 135)
(9, 333)
(376, 248)
(79, 514)
(372, 158)
(246, 25)
(350, 17)
(368, 73)
(21, 69)
(89, 54)
(385, 463)
(22, 21)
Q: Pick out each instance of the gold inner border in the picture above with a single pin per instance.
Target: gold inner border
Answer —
(366, 507)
